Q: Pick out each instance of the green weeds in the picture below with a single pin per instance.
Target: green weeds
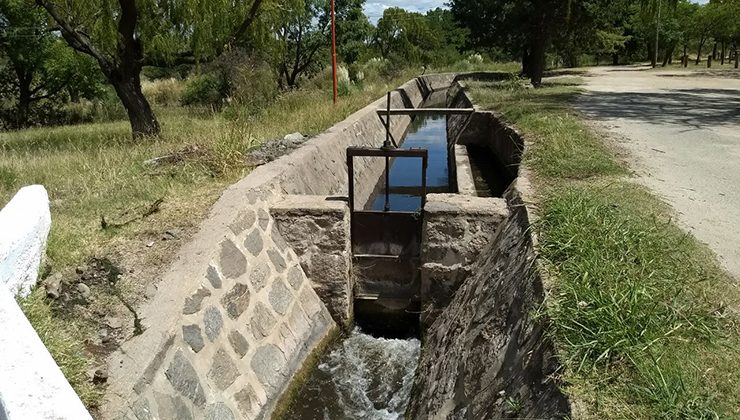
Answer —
(645, 319)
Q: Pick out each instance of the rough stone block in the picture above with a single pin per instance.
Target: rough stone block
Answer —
(142, 410)
(310, 302)
(223, 370)
(213, 277)
(253, 242)
(259, 275)
(268, 363)
(236, 300)
(295, 277)
(193, 302)
(218, 411)
(238, 343)
(184, 379)
(233, 262)
(277, 260)
(243, 221)
(264, 218)
(169, 407)
(280, 296)
(213, 322)
(191, 335)
(262, 321)
(246, 400)
(318, 230)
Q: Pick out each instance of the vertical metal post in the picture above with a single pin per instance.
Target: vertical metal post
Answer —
(350, 178)
(423, 181)
(387, 144)
(334, 50)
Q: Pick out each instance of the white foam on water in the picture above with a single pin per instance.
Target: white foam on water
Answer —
(373, 376)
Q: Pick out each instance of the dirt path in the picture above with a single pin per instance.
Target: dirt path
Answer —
(682, 132)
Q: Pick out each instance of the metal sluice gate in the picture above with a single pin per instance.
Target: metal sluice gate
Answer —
(386, 243)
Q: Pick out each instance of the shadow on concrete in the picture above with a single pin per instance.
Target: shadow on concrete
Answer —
(693, 107)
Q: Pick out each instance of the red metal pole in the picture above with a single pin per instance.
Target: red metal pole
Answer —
(334, 51)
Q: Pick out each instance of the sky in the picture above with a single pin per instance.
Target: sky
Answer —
(374, 8)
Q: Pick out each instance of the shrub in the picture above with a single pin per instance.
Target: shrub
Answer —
(207, 89)
(344, 84)
(252, 84)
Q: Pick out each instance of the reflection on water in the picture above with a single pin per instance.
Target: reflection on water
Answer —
(362, 377)
(426, 132)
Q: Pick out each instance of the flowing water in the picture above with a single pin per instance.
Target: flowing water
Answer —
(361, 377)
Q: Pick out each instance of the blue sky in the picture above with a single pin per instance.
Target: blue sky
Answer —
(374, 8)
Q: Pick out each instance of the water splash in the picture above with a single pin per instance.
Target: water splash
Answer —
(363, 377)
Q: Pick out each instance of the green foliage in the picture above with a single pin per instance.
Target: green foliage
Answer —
(38, 74)
(640, 311)
(208, 89)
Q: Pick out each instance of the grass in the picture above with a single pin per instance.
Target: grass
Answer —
(96, 170)
(645, 320)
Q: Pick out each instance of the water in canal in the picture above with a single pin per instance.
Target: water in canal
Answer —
(425, 132)
(360, 377)
(367, 377)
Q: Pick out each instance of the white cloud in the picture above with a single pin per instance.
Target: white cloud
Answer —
(374, 9)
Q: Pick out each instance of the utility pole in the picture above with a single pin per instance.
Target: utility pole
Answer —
(657, 31)
(334, 51)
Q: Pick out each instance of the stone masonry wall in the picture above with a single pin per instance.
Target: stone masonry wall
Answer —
(234, 317)
(317, 228)
(488, 348)
(456, 229)
(247, 325)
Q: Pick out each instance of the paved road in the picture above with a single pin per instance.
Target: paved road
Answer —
(682, 133)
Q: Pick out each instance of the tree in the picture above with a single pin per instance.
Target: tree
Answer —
(37, 67)
(406, 36)
(523, 28)
(302, 33)
(126, 35)
(354, 31)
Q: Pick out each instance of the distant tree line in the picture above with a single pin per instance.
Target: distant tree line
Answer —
(57, 53)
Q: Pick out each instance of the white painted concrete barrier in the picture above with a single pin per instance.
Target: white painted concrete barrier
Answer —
(31, 384)
(24, 227)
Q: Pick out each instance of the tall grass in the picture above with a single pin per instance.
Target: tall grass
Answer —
(96, 170)
(645, 319)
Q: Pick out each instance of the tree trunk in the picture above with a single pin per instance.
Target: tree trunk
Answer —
(709, 61)
(668, 54)
(140, 115)
(736, 58)
(685, 61)
(698, 54)
(714, 51)
(526, 58)
(651, 53)
(722, 57)
(24, 98)
(615, 59)
(537, 59)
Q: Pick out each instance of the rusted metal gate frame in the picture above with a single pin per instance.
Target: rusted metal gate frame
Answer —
(388, 153)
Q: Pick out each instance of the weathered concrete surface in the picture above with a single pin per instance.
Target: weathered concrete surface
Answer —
(456, 229)
(317, 228)
(31, 384)
(232, 349)
(487, 356)
(681, 130)
(24, 226)
(464, 179)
